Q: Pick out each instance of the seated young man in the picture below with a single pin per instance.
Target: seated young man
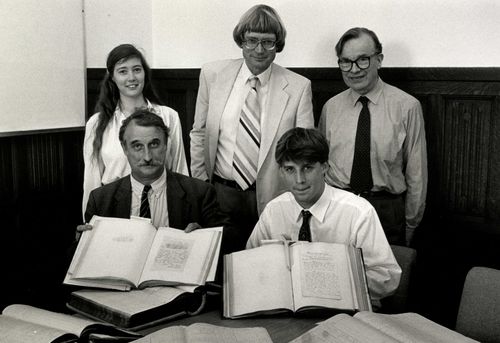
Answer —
(333, 215)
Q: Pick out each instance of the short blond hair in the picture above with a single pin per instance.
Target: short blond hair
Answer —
(261, 19)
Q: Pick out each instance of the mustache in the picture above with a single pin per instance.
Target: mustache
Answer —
(150, 164)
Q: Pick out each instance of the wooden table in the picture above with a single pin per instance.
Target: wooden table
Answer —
(282, 328)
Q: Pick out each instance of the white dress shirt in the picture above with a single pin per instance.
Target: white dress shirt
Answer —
(337, 217)
(157, 197)
(231, 116)
(113, 163)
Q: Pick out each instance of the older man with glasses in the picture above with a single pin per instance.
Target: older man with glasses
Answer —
(242, 109)
(377, 141)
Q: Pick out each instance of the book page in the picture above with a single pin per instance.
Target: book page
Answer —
(411, 327)
(321, 275)
(343, 328)
(64, 322)
(117, 249)
(19, 331)
(179, 257)
(257, 280)
(132, 302)
(207, 333)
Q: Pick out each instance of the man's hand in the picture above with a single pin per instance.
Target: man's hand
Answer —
(80, 229)
(191, 227)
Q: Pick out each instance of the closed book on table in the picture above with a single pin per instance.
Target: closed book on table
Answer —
(138, 309)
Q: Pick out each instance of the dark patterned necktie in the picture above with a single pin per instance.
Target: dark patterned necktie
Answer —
(145, 211)
(361, 173)
(305, 229)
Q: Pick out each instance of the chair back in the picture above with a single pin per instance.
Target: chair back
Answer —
(479, 311)
(399, 301)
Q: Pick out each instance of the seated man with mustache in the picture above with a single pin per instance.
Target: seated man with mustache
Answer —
(168, 198)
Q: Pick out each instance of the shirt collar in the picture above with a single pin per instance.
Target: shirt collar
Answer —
(158, 185)
(263, 77)
(373, 95)
(318, 210)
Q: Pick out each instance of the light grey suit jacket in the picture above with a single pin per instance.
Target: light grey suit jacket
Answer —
(289, 105)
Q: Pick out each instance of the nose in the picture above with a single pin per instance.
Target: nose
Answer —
(259, 48)
(131, 76)
(355, 68)
(299, 177)
(147, 155)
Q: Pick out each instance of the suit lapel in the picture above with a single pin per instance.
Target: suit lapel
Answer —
(219, 94)
(178, 207)
(123, 198)
(276, 103)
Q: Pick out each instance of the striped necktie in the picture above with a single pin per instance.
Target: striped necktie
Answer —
(361, 173)
(246, 154)
(145, 211)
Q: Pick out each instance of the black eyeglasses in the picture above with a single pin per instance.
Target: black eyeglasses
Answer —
(252, 43)
(362, 62)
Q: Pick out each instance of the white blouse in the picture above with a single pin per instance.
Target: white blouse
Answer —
(112, 163)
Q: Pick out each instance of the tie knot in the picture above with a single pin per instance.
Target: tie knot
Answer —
(306, 214)
(146, 189)
(252, 80)
(363, 100)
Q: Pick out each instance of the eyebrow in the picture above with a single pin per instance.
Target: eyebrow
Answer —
(125, 67)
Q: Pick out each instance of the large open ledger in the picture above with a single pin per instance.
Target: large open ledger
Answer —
(207, 333)
(294, 277)
(124, 254)
(371, 327)
(23, 323)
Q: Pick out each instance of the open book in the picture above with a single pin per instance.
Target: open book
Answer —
(124, 254)
(23, 323)
(139, 308)
(370, 327)
(294, 277)
(207, 333)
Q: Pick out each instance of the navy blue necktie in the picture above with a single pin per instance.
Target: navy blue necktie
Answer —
(361, 173)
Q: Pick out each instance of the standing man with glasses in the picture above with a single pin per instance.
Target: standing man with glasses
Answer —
(242, 109)
(377, 141)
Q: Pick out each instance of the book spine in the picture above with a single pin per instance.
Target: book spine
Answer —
(98, 312)
(359, 275)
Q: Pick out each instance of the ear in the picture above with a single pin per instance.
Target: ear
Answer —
(380, 58)
(324, 167)
(124, 147)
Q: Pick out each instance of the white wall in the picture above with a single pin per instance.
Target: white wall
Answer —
(42, 81)
(188, 33)
(109, 23)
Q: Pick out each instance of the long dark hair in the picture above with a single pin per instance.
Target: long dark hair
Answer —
(109, 93)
